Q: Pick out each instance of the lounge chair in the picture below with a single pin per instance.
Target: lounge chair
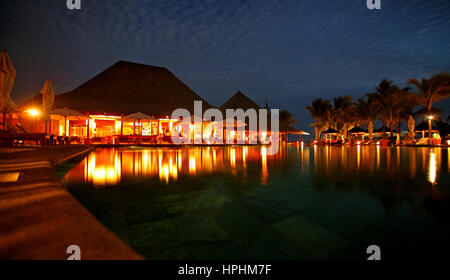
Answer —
(22, 129)
(14, 135)
(422, 141)
(409, 142)
(13, 129)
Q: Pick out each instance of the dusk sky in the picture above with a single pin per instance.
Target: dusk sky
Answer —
(283, 52)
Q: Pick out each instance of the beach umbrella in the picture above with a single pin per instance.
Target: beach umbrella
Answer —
(411, 124)
(297, 132)
(138, 117)
(7, 76)
(48, 97)
(285, 127)
(330, 131)
(358, 131)
(68, 114)
(370, 127)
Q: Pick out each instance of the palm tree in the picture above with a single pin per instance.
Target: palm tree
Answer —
(361, 112)
(366, 112)
(318, 110)
(344, 111)
(287, 117)
(431, 91)
(386, 98)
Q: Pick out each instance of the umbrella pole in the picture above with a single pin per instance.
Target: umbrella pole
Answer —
(65, 125)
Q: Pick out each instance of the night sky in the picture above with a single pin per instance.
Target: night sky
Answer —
(283, 52)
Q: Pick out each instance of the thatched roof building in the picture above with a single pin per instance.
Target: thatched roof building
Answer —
(241, 101)
(126, 88)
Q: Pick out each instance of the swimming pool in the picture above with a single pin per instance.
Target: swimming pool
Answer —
(240, 203)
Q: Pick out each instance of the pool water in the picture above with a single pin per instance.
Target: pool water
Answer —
(241, 203)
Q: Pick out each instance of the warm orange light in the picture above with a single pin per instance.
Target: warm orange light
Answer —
(430, 117)
(264, 170)
(104, 117)
(233, 158)
(32, 112)
(432, 168)
(358, 143)
(167, 120)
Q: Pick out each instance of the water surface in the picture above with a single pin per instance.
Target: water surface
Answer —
(240, 203)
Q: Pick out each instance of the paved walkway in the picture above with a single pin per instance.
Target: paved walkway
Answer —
(39, 219)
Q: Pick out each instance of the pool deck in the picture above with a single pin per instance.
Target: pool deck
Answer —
(39, 218)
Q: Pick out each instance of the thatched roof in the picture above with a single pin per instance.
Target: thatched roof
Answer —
(139, 116)
(66, 112)
(241, 101)
(126, 88)
(357, 130)
(330, 131)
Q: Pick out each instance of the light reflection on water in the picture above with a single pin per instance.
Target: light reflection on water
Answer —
(407, 163)
(110, 166)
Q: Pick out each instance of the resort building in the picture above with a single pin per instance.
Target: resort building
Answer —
(128, 102)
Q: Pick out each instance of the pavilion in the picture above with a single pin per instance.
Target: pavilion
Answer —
(123, 89)
(240, 100)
